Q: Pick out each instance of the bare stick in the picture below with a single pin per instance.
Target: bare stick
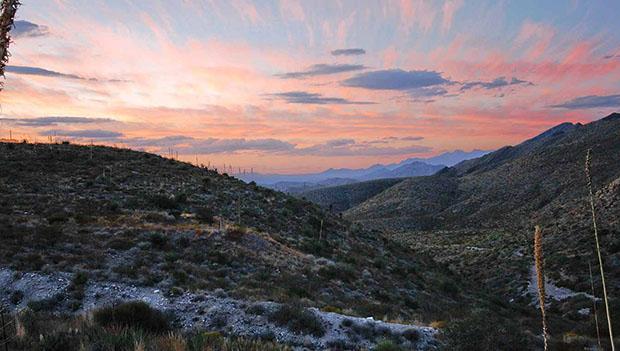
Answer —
(598, 247)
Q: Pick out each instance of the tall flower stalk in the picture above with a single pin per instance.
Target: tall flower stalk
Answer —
(598, 332)
(598, 246)
(540, 279)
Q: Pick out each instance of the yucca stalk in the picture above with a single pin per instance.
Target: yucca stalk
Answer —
(540, 279)
(598, 246)
(598, 332)
(7, 15)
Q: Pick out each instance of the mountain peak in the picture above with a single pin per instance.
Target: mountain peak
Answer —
(612, 117)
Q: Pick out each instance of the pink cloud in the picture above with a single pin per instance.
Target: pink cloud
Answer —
(449, 9)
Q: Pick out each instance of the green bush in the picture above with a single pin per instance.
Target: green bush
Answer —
(134, 314)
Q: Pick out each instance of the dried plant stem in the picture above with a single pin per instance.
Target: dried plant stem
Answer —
(540, 279)
(598, 333)
(598, 247)
(8, 9)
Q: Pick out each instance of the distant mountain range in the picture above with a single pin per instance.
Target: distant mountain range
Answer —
(509, 187)
(411, 167)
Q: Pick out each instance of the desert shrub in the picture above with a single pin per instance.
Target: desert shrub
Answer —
(482, 330)
(159, 241)
(449, 287)
(317, 247)
(180, 277)
(32, 262)
(47, 304)
(58, 217)
(343, 272)
(76, 289)
(16, 297)
(333, 309)
(236, 232)
(411, 334)
(347, 323)
(134, 314)
(180, 198)
(163, 202)
(298, 320)
(61, 341)
(256, 309)
(387, 345)
(205, 214)
(79, 279)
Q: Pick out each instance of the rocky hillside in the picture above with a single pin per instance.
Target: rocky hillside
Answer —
(513, 187)
(104, 218)
(343, 197)
(478, 217)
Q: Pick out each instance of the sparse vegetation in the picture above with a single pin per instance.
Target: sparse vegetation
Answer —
(298, 320)
(51, 332)
(134, 315)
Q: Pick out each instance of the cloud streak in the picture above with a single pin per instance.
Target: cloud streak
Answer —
(494, 84)
(302, 97)
(55, 120)
(42, 72)
(85, 133)
(38, 71)
(25, 29)
(590, 101)
(322, 70)
(329, 148)
(396, 79)
(348, 52)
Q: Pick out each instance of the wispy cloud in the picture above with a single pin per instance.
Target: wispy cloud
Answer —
(494, 84)
(350, 147)
(189, 145)
(348, 52)
(54, 120)
(303, 97)
(396, 79)
(23, 29)
(38, 71)
(590, 101)
(333, 147)
(85, 133)
(321, 70)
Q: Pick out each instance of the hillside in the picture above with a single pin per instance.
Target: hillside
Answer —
(82, 226)
(505, 188)
(478, 216)
(342, 197)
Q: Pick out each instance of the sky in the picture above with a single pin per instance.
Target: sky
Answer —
(290, 86)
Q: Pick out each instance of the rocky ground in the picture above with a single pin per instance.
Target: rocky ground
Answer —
(204, 310)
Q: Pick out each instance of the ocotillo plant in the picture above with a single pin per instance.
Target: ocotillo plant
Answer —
(540, 278)
(588, 170)
(8, 9)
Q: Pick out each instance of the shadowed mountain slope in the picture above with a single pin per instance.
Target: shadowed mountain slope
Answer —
(512, 187)
(342, 197)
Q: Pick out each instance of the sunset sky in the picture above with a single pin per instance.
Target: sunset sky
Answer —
(299, 86)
